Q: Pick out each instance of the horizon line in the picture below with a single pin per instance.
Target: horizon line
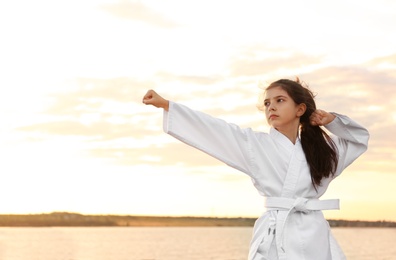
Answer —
(176, 216)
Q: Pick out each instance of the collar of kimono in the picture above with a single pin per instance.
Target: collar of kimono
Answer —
(282, 139)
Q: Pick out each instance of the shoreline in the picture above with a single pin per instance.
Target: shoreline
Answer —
(66, 219)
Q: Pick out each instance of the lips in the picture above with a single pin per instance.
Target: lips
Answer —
(272, 116)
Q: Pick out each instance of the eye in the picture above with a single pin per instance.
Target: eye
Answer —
(266, 103)
(280, 100)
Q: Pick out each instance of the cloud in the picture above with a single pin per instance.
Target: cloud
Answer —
(189, 79)
(100, 131)
(260, 60)
(91, 92)
(384, 60)
(172, 153)
(99, 109)
(137, 11)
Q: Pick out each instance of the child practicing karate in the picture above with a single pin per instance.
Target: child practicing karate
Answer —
(291, 166)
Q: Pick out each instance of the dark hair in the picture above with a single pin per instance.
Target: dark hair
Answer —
(320, 150)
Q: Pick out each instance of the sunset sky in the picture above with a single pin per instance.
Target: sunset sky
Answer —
(75, 136)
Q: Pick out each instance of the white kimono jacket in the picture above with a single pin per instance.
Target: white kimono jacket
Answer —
(293, 226)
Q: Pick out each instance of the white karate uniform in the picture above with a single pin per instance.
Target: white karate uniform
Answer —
(293, 226)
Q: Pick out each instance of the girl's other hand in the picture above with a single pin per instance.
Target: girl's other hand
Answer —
(152, 98)
(321, 117)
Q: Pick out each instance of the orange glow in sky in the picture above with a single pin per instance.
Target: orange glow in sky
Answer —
(74, 135)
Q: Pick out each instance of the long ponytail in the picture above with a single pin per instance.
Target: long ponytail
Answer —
(320, 152)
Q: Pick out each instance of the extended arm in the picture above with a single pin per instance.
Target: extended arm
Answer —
(224, 141)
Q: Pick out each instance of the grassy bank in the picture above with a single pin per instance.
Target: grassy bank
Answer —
(65, 219)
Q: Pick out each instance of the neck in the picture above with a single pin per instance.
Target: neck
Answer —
(290, 132)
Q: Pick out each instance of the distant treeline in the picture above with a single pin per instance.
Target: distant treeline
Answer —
(65, 219)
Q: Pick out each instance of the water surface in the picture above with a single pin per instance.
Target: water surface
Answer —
(168, 243)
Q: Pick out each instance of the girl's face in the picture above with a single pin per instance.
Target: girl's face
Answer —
(281, 111)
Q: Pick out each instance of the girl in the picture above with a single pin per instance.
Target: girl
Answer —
(291, 166)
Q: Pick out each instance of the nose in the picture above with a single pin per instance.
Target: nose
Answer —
(271, 107)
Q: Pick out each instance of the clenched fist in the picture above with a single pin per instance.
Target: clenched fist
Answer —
(152, 98)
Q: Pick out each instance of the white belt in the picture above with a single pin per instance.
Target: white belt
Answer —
(291, 205)
(300, 204)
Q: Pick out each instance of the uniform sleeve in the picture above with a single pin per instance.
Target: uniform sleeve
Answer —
(224, 141)
(351, 140)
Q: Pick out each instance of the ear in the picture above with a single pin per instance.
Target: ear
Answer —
(301, 108)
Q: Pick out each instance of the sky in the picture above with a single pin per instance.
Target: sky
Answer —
(75, 136)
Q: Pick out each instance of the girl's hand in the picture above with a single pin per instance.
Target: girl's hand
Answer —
(152, 98)
(320, 118)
